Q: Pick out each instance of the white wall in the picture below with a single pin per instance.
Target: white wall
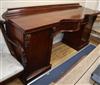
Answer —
(92, 4)
(99, 5)
(5, 4)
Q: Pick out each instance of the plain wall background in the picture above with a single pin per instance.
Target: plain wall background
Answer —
(5, 4)
(92, 4)
(99, 5)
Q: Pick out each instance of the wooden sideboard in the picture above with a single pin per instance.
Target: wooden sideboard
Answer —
(29, 33)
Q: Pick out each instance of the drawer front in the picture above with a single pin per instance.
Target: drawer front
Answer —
(70, 26)
(66, 26)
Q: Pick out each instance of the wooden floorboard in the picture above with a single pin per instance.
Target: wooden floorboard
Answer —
(86, 78)
(60, 53)
(75, 74)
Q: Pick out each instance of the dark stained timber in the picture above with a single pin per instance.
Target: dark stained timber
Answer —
(29, 33)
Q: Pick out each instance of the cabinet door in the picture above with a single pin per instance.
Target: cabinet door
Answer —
(38, 46)
(80, 38)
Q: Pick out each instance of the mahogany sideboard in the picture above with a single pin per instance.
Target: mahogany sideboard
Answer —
(29, 33)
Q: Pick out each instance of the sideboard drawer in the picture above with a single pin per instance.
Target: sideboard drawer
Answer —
(70, 26)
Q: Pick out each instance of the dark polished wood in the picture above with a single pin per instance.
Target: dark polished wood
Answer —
(29, 33)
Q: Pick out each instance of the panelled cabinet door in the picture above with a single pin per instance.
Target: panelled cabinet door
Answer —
(38, 46)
